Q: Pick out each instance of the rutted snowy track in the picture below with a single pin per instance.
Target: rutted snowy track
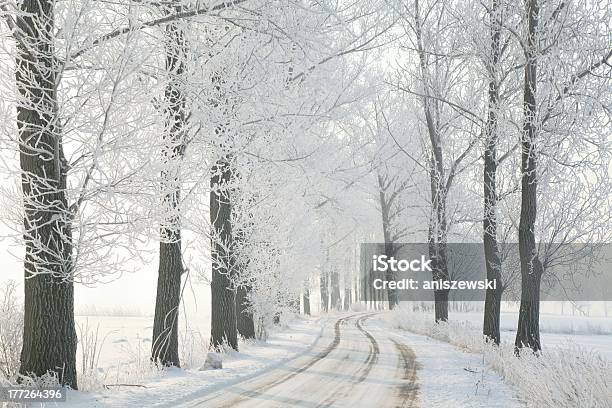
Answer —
(352, 365)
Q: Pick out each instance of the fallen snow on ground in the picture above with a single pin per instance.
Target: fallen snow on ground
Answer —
(450, 377)
(591, 333)
(560, 377)
(549, 323)
(166, 387)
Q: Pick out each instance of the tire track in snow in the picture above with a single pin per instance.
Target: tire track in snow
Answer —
(360, 366)
(369, 363)
(335, 342)
(374, 348)
(408, 392)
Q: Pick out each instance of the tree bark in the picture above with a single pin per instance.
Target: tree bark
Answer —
(335, 290)
(438, 253)
(223, 294)
(306, 301)
(528, 332)
(164, 349)
(384, 210)
(49, 336)
(244, 317)
(348, 299)
(324, 287)
(492, 308)
(165, 325)
(438, 183)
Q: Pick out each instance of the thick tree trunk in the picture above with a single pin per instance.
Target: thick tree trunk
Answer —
(492, 313)
(441, 305)
(244, 317)
(223, 294)
(492, 309)
(49, 336)
(528, 332)
(165, 325)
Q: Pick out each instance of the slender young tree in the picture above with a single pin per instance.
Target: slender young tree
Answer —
(438, 223)
(528, 331)
(434, 41)
(392, 208)
(493, 262)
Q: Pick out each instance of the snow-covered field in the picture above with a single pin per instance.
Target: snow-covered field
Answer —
(121, 338)
(591, 333)
(447, 374)
(444, 375)
(449, 377)
(128, 335)
(568, 374)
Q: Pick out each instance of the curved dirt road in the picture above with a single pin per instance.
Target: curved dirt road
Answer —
(353, 364)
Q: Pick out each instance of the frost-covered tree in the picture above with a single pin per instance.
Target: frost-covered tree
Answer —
(73, 109)
(563, 46)
(175, 113)
(433, 37)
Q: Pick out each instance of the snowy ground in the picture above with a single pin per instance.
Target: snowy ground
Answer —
(121, 338)
(126, 339)
(445, 375)
(367, 360)
(567, 375)
(450, 377)
(592, 333)
(162, 388)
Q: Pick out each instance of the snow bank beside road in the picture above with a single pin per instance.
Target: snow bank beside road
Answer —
(448, 377)
(559, 377)
(165, 387)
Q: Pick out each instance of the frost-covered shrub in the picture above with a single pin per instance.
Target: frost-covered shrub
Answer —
(566, 377)
(193, 347)
(90, 346)
(132, 369)
(48, 380)
(11, 330)
(558, 377)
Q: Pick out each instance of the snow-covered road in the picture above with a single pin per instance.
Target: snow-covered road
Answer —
(352, 365)
(338, 360)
